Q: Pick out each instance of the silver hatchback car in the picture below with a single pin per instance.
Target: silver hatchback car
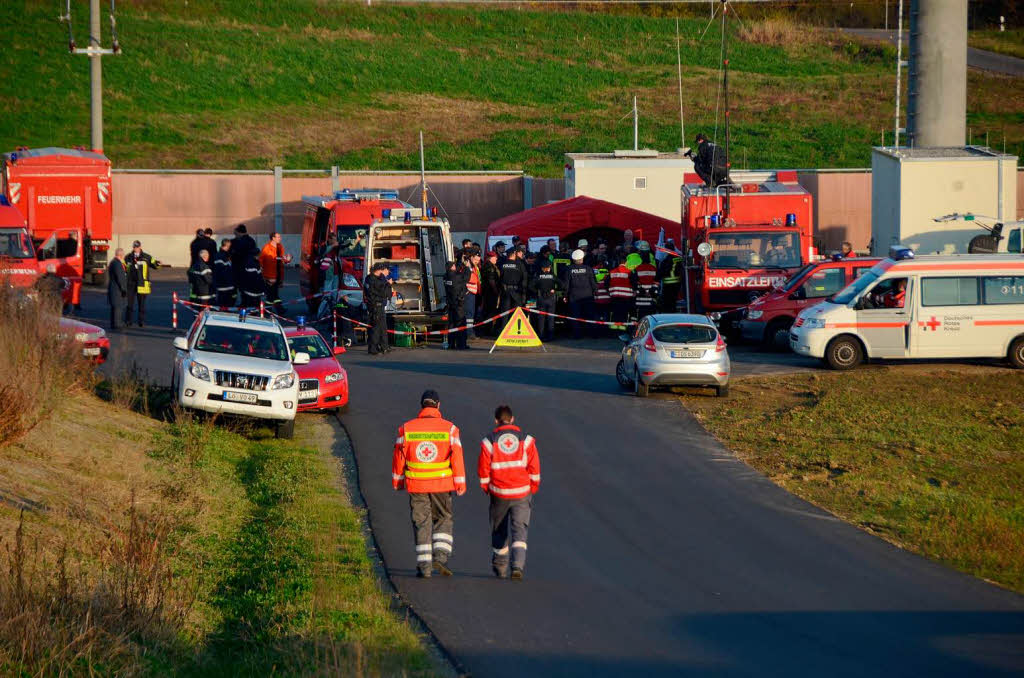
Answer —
(674, 349)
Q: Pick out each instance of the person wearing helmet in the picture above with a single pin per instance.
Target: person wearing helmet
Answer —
(580, 286)
(427, 462)
(645, 280)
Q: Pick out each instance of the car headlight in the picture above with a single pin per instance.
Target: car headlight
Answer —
(754, 315)
(82, 337)
(814, 323)
(333, 377)
(284, 381)
(199, 371)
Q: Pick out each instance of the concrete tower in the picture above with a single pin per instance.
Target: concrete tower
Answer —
(937, 103)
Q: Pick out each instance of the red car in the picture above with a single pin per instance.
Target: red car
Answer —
(94, 341)
(323, 382)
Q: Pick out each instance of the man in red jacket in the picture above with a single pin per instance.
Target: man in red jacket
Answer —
(427, 461)
(509, 469)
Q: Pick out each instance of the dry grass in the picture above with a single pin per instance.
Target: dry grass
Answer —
(38, 366)
(779, 32)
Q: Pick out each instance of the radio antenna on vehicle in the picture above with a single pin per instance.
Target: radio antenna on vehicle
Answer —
(423, 175)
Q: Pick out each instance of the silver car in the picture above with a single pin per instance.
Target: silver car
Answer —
(674, 349)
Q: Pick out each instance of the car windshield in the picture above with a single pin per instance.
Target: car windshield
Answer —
(795, 278)
(242, 341)
(853, 290)
(754, 249)
(14, 243)
(685, 334)
(311, 344)
(352, 241)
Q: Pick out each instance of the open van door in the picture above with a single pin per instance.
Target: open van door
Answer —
(64, 249)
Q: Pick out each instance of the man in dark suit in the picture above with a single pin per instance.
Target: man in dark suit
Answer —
(117, 289)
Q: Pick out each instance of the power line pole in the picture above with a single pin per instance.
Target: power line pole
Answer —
(94, 50)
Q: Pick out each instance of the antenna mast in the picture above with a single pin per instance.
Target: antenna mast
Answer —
(423, 175)
(725, 88)
(679, 71)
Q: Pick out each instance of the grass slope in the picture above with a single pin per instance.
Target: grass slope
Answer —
(934, 465)
(186, 549)
(310, 83)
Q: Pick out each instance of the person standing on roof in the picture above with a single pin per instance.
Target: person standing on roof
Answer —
(427, 462)
(580, 289)
(509, 470)
(709, 162)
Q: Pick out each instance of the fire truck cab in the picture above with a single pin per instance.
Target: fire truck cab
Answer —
(746, 241)
(21, 264)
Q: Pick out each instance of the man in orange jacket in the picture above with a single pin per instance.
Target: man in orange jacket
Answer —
(427, 461)
(272, 261)
(509, 469)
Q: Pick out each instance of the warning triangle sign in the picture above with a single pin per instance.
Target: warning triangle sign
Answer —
(518, 332)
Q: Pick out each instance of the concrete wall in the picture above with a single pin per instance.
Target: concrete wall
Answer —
(842, 208)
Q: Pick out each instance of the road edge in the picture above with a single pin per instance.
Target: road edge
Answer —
(344, 451)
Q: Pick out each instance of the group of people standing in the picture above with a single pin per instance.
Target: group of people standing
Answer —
(239, 273)
(128, 285)
(595, 284)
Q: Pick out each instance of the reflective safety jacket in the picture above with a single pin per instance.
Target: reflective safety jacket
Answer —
(428, 455)
(509, 466)
(620, 283)
(602, 296)
(272, 262)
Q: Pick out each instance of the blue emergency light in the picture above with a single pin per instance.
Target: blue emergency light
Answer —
(385, 214)
(408, 217)
(836, 256)
(300, 321)
(4, 201)
(899, 252)
(714, 220)
(791, 219)
(242, 312)
(367, 194)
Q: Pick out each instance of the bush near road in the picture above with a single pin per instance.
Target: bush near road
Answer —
(130, 546)
(308, 84)
(1010, 41)
(928, 457)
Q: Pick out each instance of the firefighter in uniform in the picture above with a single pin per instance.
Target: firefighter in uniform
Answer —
(546, 286)
(138, 264)
(509, 470)
(377, 293)
(513, 282)
(620, 288)
(201, 277)
(561, 260)
(645, 277)
(251, 282)
(223, 275)
(602, 298)
(670, 275)
(427, 461)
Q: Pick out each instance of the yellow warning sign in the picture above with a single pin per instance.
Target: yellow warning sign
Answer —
(518, 332)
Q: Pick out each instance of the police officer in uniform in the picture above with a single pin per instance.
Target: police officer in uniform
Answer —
(377, 293)
(513, 282)
(546, 286)
(580, 290)
(427, 461)
(456, 278)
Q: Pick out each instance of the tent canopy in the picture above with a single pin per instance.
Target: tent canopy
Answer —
(583, 217)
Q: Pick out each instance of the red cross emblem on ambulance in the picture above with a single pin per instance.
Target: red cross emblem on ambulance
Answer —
(932, 324)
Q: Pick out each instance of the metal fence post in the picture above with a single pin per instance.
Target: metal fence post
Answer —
(278, 198)
(335, 181)
(527, 191)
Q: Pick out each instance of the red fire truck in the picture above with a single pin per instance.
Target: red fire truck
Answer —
(747, 242)
(64, 192)
(20, 264)
(347, 215)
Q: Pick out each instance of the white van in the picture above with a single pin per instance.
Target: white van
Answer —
(956, 306)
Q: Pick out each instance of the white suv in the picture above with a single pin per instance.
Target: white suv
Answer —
(234, 364)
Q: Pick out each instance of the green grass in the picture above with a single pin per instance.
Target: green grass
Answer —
(1009, 42)
(311, 83)
(926, 457)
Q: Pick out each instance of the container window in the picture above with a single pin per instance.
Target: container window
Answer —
(949, 292)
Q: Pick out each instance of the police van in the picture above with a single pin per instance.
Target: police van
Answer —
(955, 306)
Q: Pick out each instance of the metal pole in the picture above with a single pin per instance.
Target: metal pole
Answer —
(96, 76)
(636, 127)
(423, 175)
(899, 70)
(679, 71)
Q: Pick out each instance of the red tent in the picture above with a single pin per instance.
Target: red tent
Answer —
(583, 217)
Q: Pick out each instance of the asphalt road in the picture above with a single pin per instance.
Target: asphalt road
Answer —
(652, 549)
(976, 58)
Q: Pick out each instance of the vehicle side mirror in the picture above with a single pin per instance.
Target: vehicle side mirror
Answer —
(799, 293)
(181, 343)
(338, 350)
(624, 338)
(301, 358)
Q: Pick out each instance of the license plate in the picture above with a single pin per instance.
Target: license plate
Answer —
(687, 354)
(308, 395)
(249, 398)
(91, 351)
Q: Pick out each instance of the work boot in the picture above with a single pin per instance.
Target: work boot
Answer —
(499, 572)
(442, 568)
(517, 573)
(423, 572)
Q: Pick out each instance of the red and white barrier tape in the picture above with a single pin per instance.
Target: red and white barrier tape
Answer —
(580, 320)
(436, 333)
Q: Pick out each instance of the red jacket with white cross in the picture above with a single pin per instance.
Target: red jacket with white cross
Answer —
(509, 466)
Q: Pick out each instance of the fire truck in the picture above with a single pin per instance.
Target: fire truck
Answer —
(64, 193)
(745, 242)
(20, 263)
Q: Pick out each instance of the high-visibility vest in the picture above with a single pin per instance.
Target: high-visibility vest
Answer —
(674, 272)
(602, 296)
(428, 455)
(633, 260)
(143, 268)
(619, 284)
(560, 260)
(508, 465)
(473, 285)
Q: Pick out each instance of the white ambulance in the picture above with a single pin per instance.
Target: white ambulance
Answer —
(956, 306)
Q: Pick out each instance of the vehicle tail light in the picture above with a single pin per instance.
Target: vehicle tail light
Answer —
(719, 345)
(799, 322)
(649, 343)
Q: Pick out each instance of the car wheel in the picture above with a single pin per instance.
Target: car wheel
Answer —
(285, 429)
(1016, 354)
(772, 340)
(620, 375)
(639, 387)
(844, 353)
(722, 391)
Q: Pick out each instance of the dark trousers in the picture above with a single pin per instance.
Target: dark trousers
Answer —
(226, 297)
(456, 318)
(469, 311)
(488, 309)
(274, 295)
(580, 309)
(510, 519)
(545, 324)
(135, 300)
(669, 297)
(116, 311)
(510, 298)
(377, 340)
(621, 309)
(432, 522)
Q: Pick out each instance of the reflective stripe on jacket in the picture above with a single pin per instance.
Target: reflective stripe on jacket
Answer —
(428, 455)
(620, 285)
(509, 465)
(473, 286)
(602, 296)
